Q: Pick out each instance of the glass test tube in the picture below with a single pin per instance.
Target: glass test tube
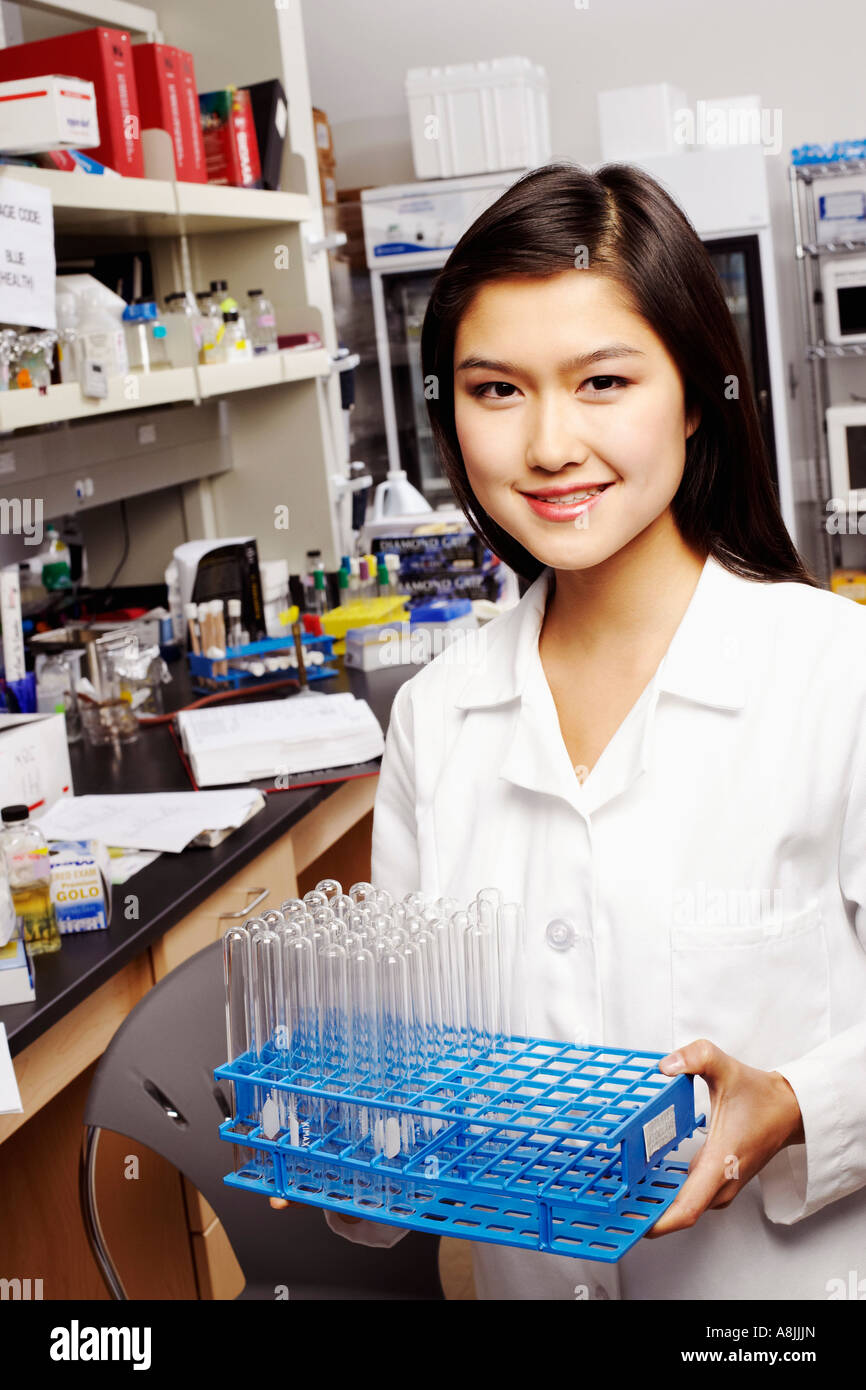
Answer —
(334, 1044)
(304, 1117)
(365, 1072)
(266, 979)
(237, 973)
(393, 1022)
(512, 970)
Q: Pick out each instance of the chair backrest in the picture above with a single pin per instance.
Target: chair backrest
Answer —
(155, 1084)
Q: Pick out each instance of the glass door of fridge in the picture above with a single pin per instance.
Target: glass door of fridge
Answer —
(406, 295)
(737, 260)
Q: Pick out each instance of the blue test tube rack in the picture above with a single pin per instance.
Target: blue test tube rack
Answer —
(532, 1143)
(203, 667)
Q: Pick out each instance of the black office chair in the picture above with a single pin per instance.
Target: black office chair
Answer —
(155, 1084)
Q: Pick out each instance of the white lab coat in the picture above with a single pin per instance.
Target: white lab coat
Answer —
(740, 771)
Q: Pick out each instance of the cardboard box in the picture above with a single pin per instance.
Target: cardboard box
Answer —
(271, 120)
(165, 77)
(103, 57)
(323, 138)
(230, 147)
(16, 974)
(328, 184)
(34, 760)
(47, 113)
(639, 122)
(80, 889)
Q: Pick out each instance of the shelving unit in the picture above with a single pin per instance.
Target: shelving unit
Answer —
(818, 354)
(281, 433)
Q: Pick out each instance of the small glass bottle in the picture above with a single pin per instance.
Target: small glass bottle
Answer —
(185, 304)
(8, 915)
(145, 337)
(237, 345)
(67, 338)
(262, 322)
(343, 582)
(27, 865)
(320, 594)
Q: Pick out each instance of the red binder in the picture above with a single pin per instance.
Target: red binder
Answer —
(165, 78)
(103, 57)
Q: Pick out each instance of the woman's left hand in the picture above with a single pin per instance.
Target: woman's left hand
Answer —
(753, 1114)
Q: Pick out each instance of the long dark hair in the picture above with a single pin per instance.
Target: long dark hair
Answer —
(634, 233)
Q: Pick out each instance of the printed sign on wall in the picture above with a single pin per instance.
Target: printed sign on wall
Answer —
(27, 264)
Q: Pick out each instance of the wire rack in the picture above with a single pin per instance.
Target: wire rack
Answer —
(533, 1143)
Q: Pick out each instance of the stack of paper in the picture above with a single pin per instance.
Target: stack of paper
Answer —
(162, 821)
(266, 738)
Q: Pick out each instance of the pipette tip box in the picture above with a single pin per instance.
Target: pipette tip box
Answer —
(532, 1143)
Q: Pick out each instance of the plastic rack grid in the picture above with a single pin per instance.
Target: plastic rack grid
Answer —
(203, 666)
(538, 1144)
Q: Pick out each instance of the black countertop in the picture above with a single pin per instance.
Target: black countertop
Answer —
(174, 884)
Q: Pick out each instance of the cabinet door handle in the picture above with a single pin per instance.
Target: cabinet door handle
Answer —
(245, 911)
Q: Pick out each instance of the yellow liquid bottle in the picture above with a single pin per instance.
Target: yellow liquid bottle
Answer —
(37, 921)
(29, 872)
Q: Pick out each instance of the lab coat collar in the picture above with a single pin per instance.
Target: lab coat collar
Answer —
(704, 661)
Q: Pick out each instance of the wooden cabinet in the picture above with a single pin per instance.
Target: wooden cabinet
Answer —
(165, 1239)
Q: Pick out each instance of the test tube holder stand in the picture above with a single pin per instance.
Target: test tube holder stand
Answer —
(532, 1143)
(206, 668)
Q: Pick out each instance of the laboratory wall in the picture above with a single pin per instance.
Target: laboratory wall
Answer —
(803, 61)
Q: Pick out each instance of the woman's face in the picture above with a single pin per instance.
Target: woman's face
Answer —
(560, 390)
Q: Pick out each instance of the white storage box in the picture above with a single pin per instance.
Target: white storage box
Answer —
(47, 113)
(477, 118)
(34, 760)
(634, 122)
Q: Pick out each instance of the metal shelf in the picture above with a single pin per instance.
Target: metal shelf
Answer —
(98, 204)
(828, 169)
(818, 354)
(142, 390)
(818, 351)
(835, 248)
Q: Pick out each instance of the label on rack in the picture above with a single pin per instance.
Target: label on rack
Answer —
(294, 1127)
(659, 1131)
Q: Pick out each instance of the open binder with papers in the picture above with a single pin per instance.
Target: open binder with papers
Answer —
(279, 740)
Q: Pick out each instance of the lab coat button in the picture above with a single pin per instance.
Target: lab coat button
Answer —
(560, 934)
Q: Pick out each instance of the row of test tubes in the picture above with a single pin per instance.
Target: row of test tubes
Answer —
(360, 994)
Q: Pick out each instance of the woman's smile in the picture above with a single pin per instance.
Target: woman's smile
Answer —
(555, 506)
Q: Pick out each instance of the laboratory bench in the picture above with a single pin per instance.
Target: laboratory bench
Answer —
(162, 915)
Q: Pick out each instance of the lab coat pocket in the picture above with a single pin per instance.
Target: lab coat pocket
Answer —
(759, 992)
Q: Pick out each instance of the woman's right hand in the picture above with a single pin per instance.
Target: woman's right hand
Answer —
(278, 1203)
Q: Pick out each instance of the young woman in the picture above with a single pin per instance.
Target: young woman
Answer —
(661, 750)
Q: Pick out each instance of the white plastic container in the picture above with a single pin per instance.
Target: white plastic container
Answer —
(477, 118)
(274, 579)
(102, 345)
(636, 122)
(397, 497)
